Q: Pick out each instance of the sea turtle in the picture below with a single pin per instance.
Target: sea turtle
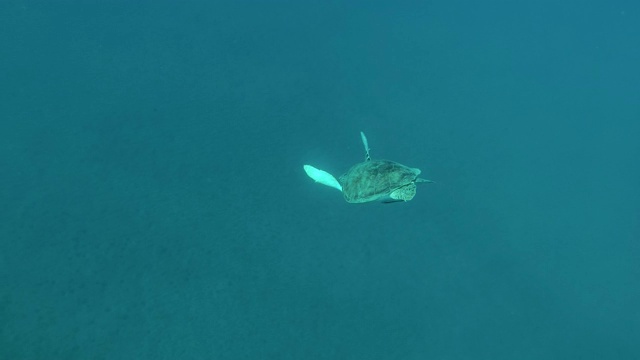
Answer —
(372, 180)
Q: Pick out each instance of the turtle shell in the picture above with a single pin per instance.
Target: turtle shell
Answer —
(379, 180)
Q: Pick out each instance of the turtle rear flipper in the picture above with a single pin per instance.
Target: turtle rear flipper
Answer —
(322, 177)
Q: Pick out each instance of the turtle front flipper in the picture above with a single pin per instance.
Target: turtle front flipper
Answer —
(322, 177)
(367, 157)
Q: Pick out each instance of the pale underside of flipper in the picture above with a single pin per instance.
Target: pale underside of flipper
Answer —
(322, 177)
(367, 157)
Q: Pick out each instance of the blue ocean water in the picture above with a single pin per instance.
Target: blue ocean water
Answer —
(153, 203)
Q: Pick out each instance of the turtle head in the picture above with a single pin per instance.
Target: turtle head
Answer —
(404, 193)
